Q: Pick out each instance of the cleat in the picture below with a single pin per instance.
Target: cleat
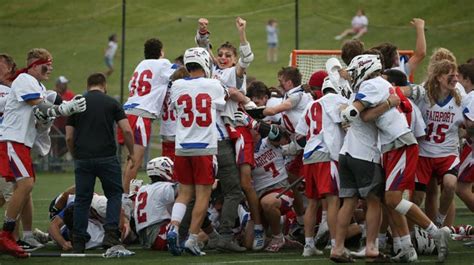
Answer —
(258, 240)
(192, 247)
(309, 251)
(441, 242)
(9, 246)
(172, 241)
(406, 256)
(41, 236)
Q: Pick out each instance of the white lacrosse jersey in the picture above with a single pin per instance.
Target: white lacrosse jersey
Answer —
(415, 121)
(96, 230)
(196, 101)
(148, 85)
(361, 140)
(19, 121)
(154, 203)
(271, 102)
(228, 78)
(4, 90)
(270, 165)
(442, 124)
(320, 124)
(392, 123)
(168, 117)
(301, 99)
(468, 106)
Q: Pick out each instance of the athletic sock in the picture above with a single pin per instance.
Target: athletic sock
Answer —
(432, 229)
(324, 216)
(309, 241)
(406, 241)
(27, 234)
(333, 243)
(397, 244)
(258, 227)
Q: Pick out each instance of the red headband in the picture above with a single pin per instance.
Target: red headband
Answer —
(47, 61)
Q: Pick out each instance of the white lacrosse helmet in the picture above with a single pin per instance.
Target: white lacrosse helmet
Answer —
(328, 84)
(424, 244)
(162, 167)
(361, 67)
(341, 85)
(200, 56)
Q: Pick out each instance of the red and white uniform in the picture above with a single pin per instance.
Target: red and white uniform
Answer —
(228, 78)
(148, 86)
(300, 101)
(271, 102)
(270, 165)
(168, 127)
(147, 91)
(324, 138)
(290, 118)
(439, 150)
(17, 131)
(153, 204)
(196, 101)
(270, 171)
(4, 90)
(466, 167)
(400, 152)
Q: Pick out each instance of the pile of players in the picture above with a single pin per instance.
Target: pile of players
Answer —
(236, 155)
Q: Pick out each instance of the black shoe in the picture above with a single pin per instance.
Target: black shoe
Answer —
(25, 246)
(111, 238)
(78, 244)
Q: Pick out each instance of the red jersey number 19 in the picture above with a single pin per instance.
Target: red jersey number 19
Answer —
(201, 104)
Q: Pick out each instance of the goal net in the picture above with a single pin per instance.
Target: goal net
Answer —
(309, 61)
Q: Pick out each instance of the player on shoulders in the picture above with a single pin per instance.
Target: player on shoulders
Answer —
(147, 91)
(196, 100)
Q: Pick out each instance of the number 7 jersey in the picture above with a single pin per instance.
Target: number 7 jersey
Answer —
(196, 101)
(442, 125)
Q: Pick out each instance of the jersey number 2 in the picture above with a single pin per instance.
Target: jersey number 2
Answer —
(141, 214)
(201, 104)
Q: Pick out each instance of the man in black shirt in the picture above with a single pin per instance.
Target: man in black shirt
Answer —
(90, 138)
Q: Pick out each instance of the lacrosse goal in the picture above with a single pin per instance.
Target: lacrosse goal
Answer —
(309, 61)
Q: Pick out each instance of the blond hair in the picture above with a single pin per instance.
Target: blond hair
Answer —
(441, 54)
(38, 53)
(432, 85)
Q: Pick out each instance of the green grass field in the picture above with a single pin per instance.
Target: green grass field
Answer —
(49, 185)
(76, 31)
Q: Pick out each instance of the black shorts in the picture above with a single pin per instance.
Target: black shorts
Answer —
(359, 177)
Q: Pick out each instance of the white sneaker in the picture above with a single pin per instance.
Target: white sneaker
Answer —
(258, 240)
(407, 255)
(41, 236)
(441, 241)
(309, 251)
(31, 240)
(358, 254)
(192, 247)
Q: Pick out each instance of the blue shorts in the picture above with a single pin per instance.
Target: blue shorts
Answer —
(109, 62)
(272, 45)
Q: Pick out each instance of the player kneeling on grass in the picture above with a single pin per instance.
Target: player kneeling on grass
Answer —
(195, 99)
(153, 203)
(269, 180)
(62, 223)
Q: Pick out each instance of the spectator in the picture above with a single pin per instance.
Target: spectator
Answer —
(272, 41)
(359, 26)
(110, 54)
(62, 88)
(90, 139)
